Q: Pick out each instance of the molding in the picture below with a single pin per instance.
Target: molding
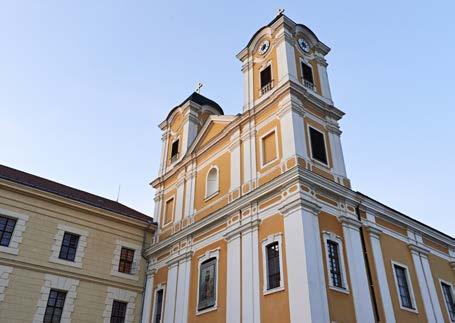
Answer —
(19, 228)
(276, 237)
(410, 287)
(123, 296)
(215, 253)
(58, 240)
(5, 271)
(135, 270)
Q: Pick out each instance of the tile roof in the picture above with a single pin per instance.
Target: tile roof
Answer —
(33, 181)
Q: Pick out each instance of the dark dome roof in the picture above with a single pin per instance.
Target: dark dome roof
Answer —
(199, 99)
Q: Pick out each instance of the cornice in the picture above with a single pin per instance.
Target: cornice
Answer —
(418, 248)
(175, 259)
(350, 222)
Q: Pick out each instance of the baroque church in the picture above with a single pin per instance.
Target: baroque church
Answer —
(255, 220)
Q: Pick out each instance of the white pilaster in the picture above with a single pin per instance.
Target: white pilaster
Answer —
(158, 202)
(235, 161)
(292, 128)
(164, 153)
(323, 77)
(339, 167)
(248, 88)
(190, 185)
(233, 299)
(249, 154)
(426, 283)
(250, 277)
(183, 287)
(169, 306)
(306, 282)
(357, 270)
(148, 295)
(287, 69)
(179, 199)
(383, 285)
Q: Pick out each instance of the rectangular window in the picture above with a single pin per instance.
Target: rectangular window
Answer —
(334, 263)
(118, 312)
(158, 306)
(54, 308)
(317, 141)
(207, 284)
(307, 73)
(7, 226)
(69, 246)
(266, 79)
(175, 149)
(273, 266)
(169, 211)
(269, 152)
(126, 260)
(404, 292)
(448, 297)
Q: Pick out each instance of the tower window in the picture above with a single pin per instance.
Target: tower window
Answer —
(273, 265)
(118, 313)
(403, 288)
(318, 150)
(307, 75)
(334, 264)
(175, 150)
(449, 300)
(266, 79)
(158, 306)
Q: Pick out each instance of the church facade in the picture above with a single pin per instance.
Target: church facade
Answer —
(256, 218)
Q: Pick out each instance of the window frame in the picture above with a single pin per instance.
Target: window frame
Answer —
(155, 308)
(2, 232)
(441, 282)
(174, 157)
(165, 224)
(71, 234)
(410, 287)
(209, 195)
(136, 260)
(54, 307)
(273, 238)
(203, 258)
(330, 236)
(116, 301)
(303, 61)
(58, 241)
(19, 228)
(127, 261)
(263, 68)
(261, 147)
(327, 165)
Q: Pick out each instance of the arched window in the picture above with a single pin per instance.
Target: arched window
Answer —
(212, 182)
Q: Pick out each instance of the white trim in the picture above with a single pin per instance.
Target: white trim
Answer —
(441, 281)
(19, 228)
(209, 195)
(277, 237)
(307, 63)
(411, 289)
(215, 253)
(5, 271)
(57, 246)
(60, 283)
(136, 260)
(171, 222)
(333, 237)
(261, 150)
(158, 288)
(311, 148)
(122, 295)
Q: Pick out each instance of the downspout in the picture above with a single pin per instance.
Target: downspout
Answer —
(368, 267)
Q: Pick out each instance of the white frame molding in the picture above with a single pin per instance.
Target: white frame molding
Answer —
(136, 260)
(307, 63)
(411, 289)
(333, 237)
(155, 291)
(442, 281)
(59, 283)
(177, 156)
(325, 146)
(209, 195)
(215, 253)
(171, 222)
(277, 237)
(122, 295)
(5, 271)
(19, 228)
(261, 147)
(58, 239)
(263, 67)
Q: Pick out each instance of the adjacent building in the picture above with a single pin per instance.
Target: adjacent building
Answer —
(67, 255)
(256, 218)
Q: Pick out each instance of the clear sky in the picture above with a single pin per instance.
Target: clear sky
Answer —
(84, 84)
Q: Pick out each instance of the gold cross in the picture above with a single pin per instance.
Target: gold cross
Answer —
(198, 87)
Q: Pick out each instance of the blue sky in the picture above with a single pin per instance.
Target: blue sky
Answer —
(84, 84)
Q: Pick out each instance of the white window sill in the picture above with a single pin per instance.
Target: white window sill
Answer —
(10, 250)
(124, 275)
(272, 291)
(340, 290)
(207, 310)
(412, 310)
(66, 262)
(209, 197)
(320, 163)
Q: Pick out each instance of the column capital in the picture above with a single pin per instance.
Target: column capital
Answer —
(300, 203)
(452, 264)
(237, 229)
(350, 222)
(372, 228)
(183, 256)
(418, 249)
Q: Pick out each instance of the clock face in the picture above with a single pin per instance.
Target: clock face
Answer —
(264, 47)
(304, 45)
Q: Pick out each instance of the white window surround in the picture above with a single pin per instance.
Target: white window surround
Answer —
(136, 260)
(330, 236)
(277, 237)
(325, 146)
(303, 61)
(215, 253)
(116, 294)
(154, 309)
(411, 289)
(16, 238)
(213, 189)
(58, 239)
(171, 222)
(441, 281)
(261, 147)
(263, 67)
(61, 283)
(5, 271)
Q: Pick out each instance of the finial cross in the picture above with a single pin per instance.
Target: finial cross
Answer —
(198, 87)
(280, 11)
